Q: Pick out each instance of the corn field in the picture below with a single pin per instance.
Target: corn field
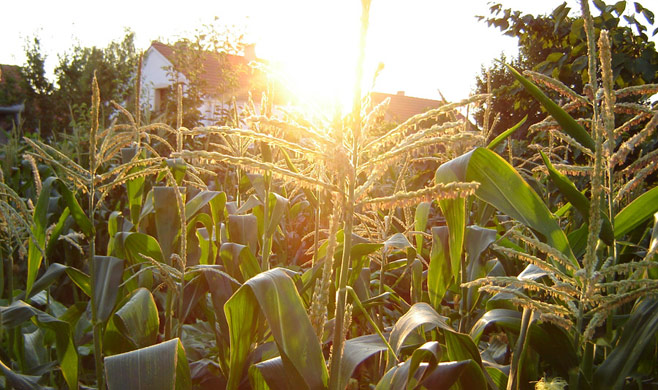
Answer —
(290, 253)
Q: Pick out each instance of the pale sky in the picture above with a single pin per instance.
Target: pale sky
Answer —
(425, 45)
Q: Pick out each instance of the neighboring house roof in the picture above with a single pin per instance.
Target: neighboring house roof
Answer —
(212, 72)
(404, 107)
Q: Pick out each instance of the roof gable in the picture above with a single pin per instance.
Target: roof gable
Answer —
(213, 70)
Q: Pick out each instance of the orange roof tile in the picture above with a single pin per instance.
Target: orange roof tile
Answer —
(212, 69)
(404, 107)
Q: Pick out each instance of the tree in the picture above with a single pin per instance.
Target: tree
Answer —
(115, 67)
(555, 45)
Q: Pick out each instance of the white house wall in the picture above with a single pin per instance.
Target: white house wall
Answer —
(154, 75)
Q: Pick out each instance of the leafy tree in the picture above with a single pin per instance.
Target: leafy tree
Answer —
(115, 68)
(556, 45)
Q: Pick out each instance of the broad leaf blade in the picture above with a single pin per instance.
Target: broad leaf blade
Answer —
(439, 272)
(138, 318)
(105, 281)
(496, 178)
(566, 121)
(274, 294)
(641, 209)
(577, 199)
(159, 367)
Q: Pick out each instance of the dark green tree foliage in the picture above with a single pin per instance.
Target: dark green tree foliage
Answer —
(556, 45)
(115, 67)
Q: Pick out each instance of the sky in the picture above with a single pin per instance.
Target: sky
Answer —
(425, 45)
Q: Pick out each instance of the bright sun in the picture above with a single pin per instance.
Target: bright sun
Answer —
(316, 56)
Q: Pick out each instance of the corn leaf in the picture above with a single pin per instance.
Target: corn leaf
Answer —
(198, 202)
(37, 242)
(420, 314)
(577, 199)
(239, 261)
(358, 350)
(167, 220)
(640, 209)
(502, 136)
(505, 189)
(133, 245)
(408, 374)
(478, 240)
(278, 206)
(243, 229)
(439, 272)
(67, 354)
(138, 319)
(20, 381)
(454, 211)
(566, 121)
(420, 223)
(105, 282)
(266, 375)
(273, 294)
(552, 343)
(159, 367)
(135, 186)
(639, 332)
(467, 372)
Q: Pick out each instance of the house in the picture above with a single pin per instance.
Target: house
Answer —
(224, 76)
(403, 107)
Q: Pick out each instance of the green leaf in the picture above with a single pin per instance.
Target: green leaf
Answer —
(239, 261)
(159, 367)
(502, 136)
(105, 282)
(266, 375)
(74, 207)
(420, 314)
(273, 294)
(566, 121)
(577, 199)
(243, 229)
(67, 354)
(167, 220)
(552, 343)
(133, 245)
(53, 272)
(358, 350)
(80, 279)
(201, 199)
(20, 381)
(56, 232)
(477, 241)
(640, 209)
(278, 205)
(420, 223)
(468, 372)
(638, 333)
(496, 178)
(134, 187)
(460, 346)
(439, 272)
(37, 242)
(138, 318)
(408, 374)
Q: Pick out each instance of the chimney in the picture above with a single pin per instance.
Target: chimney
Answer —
(400, 93)
(250, 52)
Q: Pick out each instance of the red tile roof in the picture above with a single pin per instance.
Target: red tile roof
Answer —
(212, 70)
(404, 107)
